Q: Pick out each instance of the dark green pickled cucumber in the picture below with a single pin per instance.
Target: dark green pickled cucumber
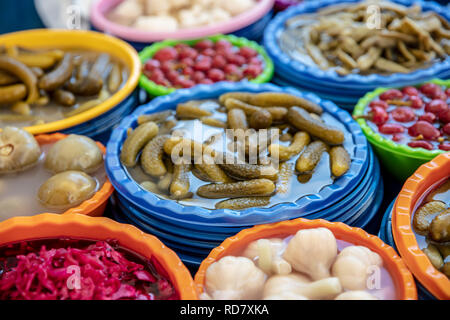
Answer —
(310, 157)
(340, 161)
(152, 157)
(302, 120)
(256, 187)
(135, 141)
(243, 203)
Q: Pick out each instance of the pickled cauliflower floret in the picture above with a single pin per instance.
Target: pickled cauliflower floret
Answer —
(234, 278)
(235, 7)
(353, 266)
(266, 253)
(356, 295)
(312, 252)
(156, 24)
(300, 285)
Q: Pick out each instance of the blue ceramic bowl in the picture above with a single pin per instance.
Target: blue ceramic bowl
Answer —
(147, 201)
(284, 63)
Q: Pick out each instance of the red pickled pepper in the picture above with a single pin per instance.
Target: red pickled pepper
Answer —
(104, 274)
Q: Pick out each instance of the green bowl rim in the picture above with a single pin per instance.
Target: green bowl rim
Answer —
(158, 90)
(386, 144)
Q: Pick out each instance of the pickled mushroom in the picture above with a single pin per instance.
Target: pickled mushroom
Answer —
(74, 153)
(19, 150)
(67, 189)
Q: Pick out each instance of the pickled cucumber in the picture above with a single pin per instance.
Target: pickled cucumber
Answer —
(243, 203)
(115, 78)
(12, 93)
(237, 119)
(300, 140)
(310, 157)
(213, 122)
(57, 77)
(302, 120)
(190, 111)
(175, 146)
(285, 174)
(179, 188)
(152, 157)
(247, 171)
(272, 99)
(154, 117)
(63, 97)
(340, 161)
(164, 182)
(136, 141)
(278, 113)
(232, 103)
(256, 187)
(212, 171)
(261, 119)
(424, 215)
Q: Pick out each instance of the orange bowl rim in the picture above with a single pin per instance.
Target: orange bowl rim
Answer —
(403, 279)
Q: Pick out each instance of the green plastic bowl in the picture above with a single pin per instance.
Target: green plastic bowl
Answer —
(157, 90)
(399, 159)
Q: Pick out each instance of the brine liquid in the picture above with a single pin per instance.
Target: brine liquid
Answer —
(320, 178)
(18, 191)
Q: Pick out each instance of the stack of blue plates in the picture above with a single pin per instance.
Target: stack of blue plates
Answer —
(345, 91)
(387, 236)
(194, 231)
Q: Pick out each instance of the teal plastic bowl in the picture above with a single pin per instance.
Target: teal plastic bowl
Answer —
(399, 159)
(157, 90)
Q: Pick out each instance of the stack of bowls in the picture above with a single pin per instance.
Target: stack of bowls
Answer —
(98, 121)
(250, 25)
(193, 231)
(343, 90)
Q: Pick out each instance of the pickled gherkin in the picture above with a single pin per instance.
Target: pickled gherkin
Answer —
(340, 161)
(310, 157)
(136, 141)
(256, 187)
(152, 157)
(243, 203)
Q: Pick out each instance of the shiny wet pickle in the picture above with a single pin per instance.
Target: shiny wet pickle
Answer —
(256, 187)
(136, 141)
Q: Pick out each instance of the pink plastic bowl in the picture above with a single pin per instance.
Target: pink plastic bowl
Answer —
(100, 22)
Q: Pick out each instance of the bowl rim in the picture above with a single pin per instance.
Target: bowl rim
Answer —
(90, 206)
(425, 176)
(129, 86)
(49, 225)
(402, 277)
(100, 22)
(330, 77)
(387, 144)
(159, 90)
(128, 188)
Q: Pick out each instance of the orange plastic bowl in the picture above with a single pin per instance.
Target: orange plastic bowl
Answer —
(96, 205)
(426, 177)
(402, 278)
(50, 226)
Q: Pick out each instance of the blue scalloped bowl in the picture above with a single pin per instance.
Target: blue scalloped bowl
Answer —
(386, 235)
(147, 201)
(293, 68)
(192, 253)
